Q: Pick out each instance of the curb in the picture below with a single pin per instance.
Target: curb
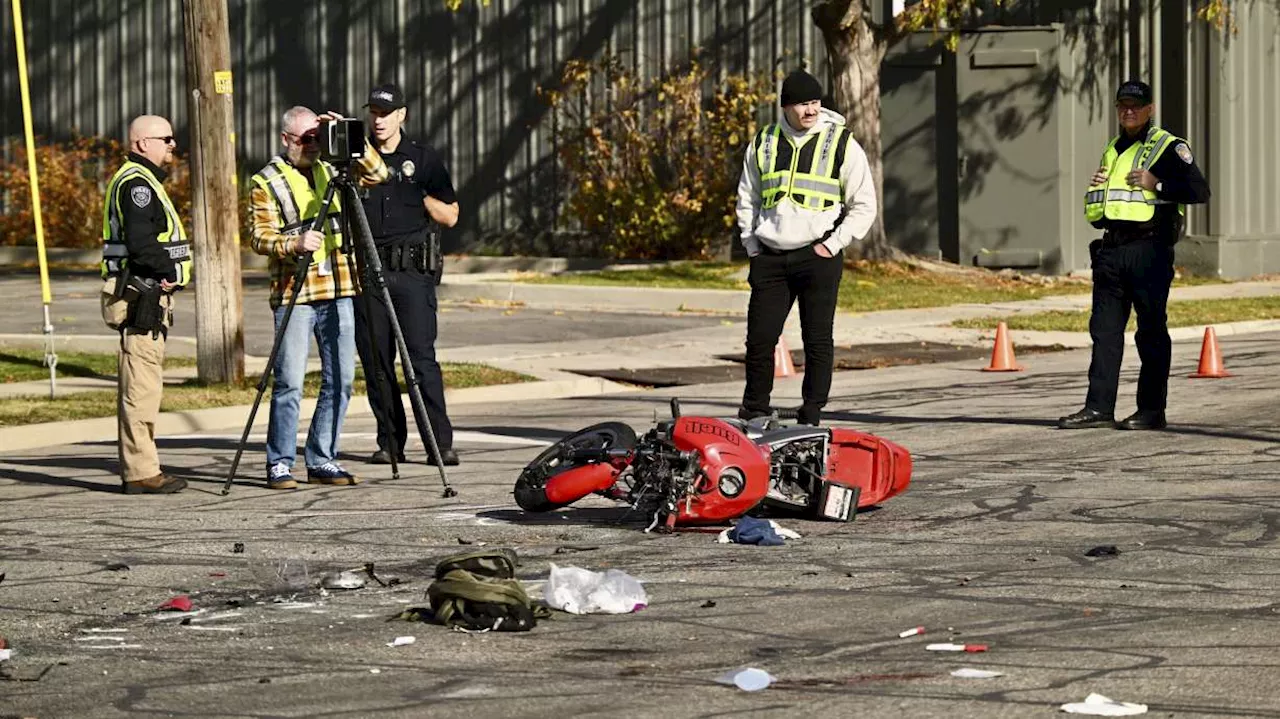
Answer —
(103, 429)
(605, 299)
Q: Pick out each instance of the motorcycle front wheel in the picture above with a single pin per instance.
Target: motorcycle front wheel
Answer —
(554, 463)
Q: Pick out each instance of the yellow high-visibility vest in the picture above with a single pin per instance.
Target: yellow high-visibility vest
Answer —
(808, 174)
(299, 204)
(115, 253)
(1116, 199)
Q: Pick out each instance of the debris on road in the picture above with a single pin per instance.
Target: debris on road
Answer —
(948, 647)
(967, 673)
(709, 604)
(749, 679)
(581, 591)
(342, 580)
(1098, 705)
(237, 548)
(911, 632)
(402, 641)
(116, 567)
(390, 581)
(180, 603)
(1105, 550)
(750, 530)
(478, 592)
(569, 549)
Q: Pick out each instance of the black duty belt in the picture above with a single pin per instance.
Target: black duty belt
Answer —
(405, 258)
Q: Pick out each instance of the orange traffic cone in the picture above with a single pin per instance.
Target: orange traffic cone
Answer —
(1002, 359)
(1210, 358)
(782, 364)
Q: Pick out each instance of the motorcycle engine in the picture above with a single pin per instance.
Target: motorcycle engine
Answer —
(794, 471)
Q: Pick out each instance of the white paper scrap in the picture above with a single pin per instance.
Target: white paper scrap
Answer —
(1098, 705)
(967, 673)
(748, 680)
(401, 641)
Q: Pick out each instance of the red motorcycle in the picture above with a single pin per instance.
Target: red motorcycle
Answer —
(705, 470)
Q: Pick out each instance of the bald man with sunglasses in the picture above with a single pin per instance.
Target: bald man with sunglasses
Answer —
(146, 257)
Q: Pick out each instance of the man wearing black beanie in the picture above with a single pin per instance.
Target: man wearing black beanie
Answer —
(806, 193)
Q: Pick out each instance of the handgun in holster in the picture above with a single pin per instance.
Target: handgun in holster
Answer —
(435, 262)
(146, 306)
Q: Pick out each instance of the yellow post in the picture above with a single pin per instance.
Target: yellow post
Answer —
(50, 356)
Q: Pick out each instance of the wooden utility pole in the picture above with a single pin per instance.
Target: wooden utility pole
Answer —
(215, 210)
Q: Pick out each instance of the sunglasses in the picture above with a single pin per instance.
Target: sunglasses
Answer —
(168, 139)
(305, 140)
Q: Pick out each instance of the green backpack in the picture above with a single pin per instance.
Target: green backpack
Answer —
(478, 591)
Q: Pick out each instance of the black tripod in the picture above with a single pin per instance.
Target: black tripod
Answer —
(369, 267)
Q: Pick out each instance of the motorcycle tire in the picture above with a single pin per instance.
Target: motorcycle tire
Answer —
(531, 486)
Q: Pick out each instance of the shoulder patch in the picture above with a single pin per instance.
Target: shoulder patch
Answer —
(141, 195)
(1184, 152)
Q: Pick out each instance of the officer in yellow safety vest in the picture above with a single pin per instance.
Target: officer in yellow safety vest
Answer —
(145, 258)
(806, 193)
(1138, 197)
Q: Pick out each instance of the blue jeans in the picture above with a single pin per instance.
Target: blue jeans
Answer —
(333, 324)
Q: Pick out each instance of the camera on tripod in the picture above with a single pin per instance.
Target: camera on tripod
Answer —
(341, 141)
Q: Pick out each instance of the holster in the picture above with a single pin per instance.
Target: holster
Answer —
(435, 262)
(146, 306)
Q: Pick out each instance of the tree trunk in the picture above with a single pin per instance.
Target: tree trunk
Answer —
(215, 222)
(855, 52)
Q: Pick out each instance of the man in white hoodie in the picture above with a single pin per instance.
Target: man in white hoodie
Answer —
(806, 192)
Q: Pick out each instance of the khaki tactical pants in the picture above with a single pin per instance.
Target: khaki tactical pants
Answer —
(140, 383)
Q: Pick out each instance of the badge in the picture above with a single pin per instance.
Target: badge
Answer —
(407, 168)
(141, 195)
(1184, 152)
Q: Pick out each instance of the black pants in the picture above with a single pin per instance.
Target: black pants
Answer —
(777, 280)
(1136, 275)
(413, 294)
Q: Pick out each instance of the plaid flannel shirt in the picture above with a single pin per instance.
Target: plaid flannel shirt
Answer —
(269, 239)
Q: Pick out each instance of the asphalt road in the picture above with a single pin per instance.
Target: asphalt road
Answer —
(987, 546)
(76, 310)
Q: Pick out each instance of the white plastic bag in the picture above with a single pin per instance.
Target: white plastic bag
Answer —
(581, 591)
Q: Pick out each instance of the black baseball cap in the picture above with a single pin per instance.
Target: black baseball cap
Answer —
(1135, 90)
(386, 97)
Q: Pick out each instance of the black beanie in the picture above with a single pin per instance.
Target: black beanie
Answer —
(800, 87)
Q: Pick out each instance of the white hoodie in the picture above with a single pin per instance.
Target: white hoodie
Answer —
(788, 226)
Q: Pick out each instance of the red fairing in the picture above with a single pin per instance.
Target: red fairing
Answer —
(722, 447)
(573, 484)
(857, 459)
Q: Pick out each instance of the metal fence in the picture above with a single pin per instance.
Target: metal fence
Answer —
(470, 76)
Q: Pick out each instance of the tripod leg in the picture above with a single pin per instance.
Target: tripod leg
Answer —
(299, 276)
(415, 392)
(382, 384)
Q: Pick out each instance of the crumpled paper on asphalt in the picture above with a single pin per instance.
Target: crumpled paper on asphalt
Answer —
(1098, 705)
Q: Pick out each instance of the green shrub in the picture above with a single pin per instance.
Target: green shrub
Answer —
(652, 165)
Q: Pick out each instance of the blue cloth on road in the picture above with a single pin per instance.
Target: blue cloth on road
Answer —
(750, 530)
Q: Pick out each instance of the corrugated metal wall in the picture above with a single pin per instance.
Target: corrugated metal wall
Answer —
(470, 76)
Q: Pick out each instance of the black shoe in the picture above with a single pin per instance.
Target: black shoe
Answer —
(383, 456)
(450, 458)
(1086, 419)
(1144, 419)
(747, 415)
(809, 415)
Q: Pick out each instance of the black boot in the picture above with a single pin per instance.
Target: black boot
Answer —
(1144, 419)
(1085, 419)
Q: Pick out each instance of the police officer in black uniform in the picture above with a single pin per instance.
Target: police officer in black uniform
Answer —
(404, 215)
(1137, 197)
